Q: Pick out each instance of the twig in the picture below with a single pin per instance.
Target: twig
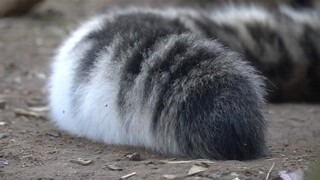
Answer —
(270, 171)
(186, 162)
(128, 175)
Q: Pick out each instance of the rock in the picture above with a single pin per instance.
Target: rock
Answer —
(3, 104)
(133, 157)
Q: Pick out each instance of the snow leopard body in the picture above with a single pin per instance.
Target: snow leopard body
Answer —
(283, 44)
(177, 81)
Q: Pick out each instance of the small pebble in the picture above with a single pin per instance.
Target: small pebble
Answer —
(3, 104)
(133, 157)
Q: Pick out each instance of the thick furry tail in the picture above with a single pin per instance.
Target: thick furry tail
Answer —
(146, 80)
(210, 104)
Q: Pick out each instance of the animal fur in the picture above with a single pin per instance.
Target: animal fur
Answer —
(282, 44)
(162, 79)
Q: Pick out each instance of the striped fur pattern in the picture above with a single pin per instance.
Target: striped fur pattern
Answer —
(161, 79)
(283, 44)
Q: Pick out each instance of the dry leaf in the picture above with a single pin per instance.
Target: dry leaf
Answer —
(196, 169)
(169, 176)
(202, 163)
(234, 174)
(41, 75)
(128, 175)
(28, 113)
(81, 161)
(291, 175)
(114, 167)
(39, 109)
(3, 163)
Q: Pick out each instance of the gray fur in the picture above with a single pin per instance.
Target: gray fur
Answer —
(167, 80)
(204, 100)
(283, 44)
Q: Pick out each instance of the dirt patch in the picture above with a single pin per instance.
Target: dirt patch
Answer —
(31, 147)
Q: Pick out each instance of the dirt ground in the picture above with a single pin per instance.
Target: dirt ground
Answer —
(32, 148)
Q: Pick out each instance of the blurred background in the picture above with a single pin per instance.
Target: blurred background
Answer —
(20, 7)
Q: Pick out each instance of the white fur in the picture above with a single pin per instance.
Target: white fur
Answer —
(60, 87)
(235, 15)
(89, 110)
(95, 114)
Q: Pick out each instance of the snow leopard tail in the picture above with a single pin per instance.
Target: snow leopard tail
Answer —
(143, 78)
